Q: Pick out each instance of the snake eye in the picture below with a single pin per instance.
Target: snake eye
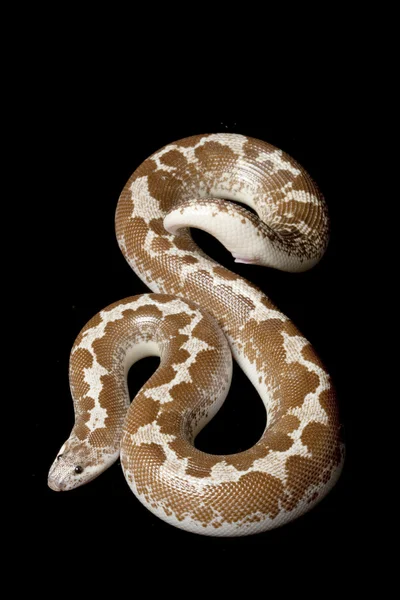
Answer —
(78, 469)
(59, 456)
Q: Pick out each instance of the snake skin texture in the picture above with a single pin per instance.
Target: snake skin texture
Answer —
(198, 316)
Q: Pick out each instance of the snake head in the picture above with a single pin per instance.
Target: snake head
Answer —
(75, 465)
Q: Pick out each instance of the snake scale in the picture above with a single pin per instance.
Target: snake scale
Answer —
(198, 316)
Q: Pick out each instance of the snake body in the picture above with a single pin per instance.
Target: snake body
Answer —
(198, 314)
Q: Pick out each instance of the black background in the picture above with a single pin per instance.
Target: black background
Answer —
(93, 141)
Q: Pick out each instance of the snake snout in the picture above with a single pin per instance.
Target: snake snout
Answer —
(55, 479)
(53, 485)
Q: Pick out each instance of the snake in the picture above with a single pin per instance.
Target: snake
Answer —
(265, 209)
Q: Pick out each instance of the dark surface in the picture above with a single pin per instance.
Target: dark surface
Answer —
(91, 150)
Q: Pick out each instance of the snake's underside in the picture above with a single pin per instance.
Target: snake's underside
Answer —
(200, 313)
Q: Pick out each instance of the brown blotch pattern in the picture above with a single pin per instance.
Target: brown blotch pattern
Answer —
(316, 437)
(81, 430)
(162, 376)
(190, 260)
(279, 441)
(166, 187)
(145, 411)
(161, 245)
(157, 225)
(225, 273)
(214, 156)
(183, 241)
(174, 158)
(80, 360)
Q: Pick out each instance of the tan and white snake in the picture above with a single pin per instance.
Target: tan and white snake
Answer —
(199, 315)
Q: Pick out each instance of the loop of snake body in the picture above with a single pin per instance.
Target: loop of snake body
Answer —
(198, 314)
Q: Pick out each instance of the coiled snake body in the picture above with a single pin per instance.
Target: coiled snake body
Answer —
(199, 313)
